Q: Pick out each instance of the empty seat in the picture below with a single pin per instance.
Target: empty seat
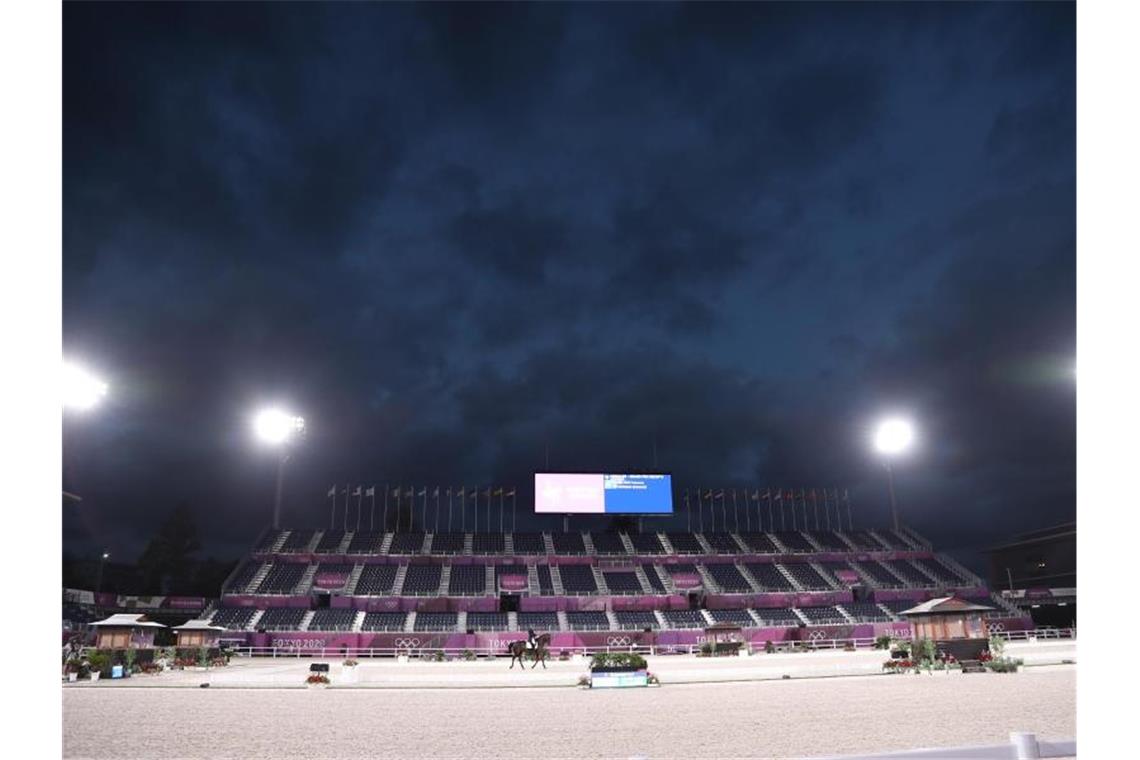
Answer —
(330, 541)
(587, 621)
(436, 621)
(830, 541)
(654, 579)
(365, 542)
(898, 605)
(488, 543)
(384, 621)
(528, 543)
(893, 540)
(568, 543)
(539, 621)
(865, 612)
(233, 618)
(422, 580)
(332, 620)
(447, 543)
(768, 577)
(578, 579)
(283, 578)
(636, 620)
(243, 577)
(685, 543)
(728, 577)
(407, 543)
(909, 573)
(778, 617)
(735, 617)
(607, 543)
(879, 574)
(282, 619)
(684, 619)
(467, 580)
(823, 615)
(938, 571)
(806, 576)
(646, 543)
(760, 543)
(298, 541)
(622, 582)
(864, 541)
(487, 621)
(267, 542)
(795, 542)
(376, 580)
(722, 543)
(545, 582)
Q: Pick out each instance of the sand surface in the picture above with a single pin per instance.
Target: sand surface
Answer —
(727, 720)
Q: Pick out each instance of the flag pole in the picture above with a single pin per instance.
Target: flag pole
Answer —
(514, 506)
(332, 512)
(372, 512)
(463, 506)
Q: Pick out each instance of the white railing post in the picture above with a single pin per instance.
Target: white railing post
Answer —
(1024, 745)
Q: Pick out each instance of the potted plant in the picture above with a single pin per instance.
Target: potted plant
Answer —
(883, 642)
(769, 647)
(97, 662)
(618, 669)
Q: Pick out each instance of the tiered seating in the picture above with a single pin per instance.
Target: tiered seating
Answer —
(830, 541)
(283, 577)
(795, 542)
(636, 620)
(865, 612)
(528, 543)
(722, 543)
(778, 617)
(539, 621)
(243, 577)
(281, 619)
(681, 567)
(332, 620)
(865, 541)
(806, 576)
(832, 569)
(384, 621)
(908, 572)
(768, 578)
(578, 579)
(587, 621)
(233, 618)
(880, 574)
(654, 579)
(407, 543)
(267, 541)
(545, 582)
(326, 569)
(823, 615)
(607, 543)
(898, 605)
(330, 541)
(447, 543)
(684, 619)
(376, 580)
(736, 617)
(685, 543)
(488, 543)
(365, 542)
(760, 543)
(938, 571)
(467, 580)
(487, 621)
(646, 543)
(728, 577)
(298, 541)
(892, 539)
(568, 543)
(436, 621)
(422, 580)
(77, 616)
(508, 570)
(621, 582)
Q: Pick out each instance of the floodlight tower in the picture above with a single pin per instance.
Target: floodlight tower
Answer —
(102, 560)
(81, 391)
(277, 428)
(893, 437)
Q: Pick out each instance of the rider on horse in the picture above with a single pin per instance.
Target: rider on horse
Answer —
(531, 644)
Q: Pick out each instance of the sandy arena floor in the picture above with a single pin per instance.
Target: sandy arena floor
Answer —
(760, 719)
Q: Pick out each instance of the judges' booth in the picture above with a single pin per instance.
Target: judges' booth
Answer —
(125, 631)
(198, 633)
(957, 626)
(725, 638)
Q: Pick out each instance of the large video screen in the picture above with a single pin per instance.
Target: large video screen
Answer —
(602, 493)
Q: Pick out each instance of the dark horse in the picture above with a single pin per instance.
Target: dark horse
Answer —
(517, 650)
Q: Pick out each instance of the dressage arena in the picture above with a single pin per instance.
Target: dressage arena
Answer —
(709, 708)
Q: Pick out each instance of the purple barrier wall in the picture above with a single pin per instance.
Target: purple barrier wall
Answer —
(580, 560)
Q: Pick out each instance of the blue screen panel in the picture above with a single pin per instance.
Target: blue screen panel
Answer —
(639, 494)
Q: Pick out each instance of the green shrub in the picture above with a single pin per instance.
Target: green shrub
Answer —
(769, 647)
(883, 642)
(469, 655)
(99, 661)
(618, 660)
(706, 649)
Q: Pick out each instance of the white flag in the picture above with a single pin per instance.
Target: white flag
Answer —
(332, 492)
(371, 491)
(356, 492)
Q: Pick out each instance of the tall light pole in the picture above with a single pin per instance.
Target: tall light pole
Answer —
(82, 391)
(278, 428)
(99, 580)
(894, 436)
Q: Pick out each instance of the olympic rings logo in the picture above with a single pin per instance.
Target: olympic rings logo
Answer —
(407, 643)
(618, 641)
(816, 635)
(1000, 627)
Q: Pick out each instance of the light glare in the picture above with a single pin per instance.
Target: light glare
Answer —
(274, 426)
(894, 436)
(81, 389)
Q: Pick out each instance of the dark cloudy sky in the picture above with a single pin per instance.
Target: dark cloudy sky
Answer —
(453, 235)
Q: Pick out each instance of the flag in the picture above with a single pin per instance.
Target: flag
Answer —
(435, 492)
(371, 491)
(396, 491)
(345, 491)
(410, 492)
(356, 492)
(423, 491)
(511, 493)
(707, 495)
(779, 495)
(498, 491)
(474, 494)
(756, 495)
(332, 492)
(720, 494)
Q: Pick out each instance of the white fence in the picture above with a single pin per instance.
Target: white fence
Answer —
(1022, 746)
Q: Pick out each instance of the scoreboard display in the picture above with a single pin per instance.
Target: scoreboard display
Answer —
(573, 493)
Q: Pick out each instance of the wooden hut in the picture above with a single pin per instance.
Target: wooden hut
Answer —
(125, 631)
(198, 633)
(957, 626)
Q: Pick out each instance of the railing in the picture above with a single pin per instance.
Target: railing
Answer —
(1021, 746)
(1037, 634)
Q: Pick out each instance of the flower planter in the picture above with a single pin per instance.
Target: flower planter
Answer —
(617, 678)
(348, 674)
(94, 675)
(72, 677)
(317, 685)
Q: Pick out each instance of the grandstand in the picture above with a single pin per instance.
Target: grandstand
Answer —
(373, 589)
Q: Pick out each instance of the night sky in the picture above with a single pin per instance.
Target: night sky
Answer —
(454, 236)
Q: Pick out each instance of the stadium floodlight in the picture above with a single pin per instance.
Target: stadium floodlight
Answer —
(82, 390)
(893, 436)
(277, 428)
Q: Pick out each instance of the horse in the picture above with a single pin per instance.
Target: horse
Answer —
(517, 650)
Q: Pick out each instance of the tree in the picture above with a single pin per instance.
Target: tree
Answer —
(168, 560)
